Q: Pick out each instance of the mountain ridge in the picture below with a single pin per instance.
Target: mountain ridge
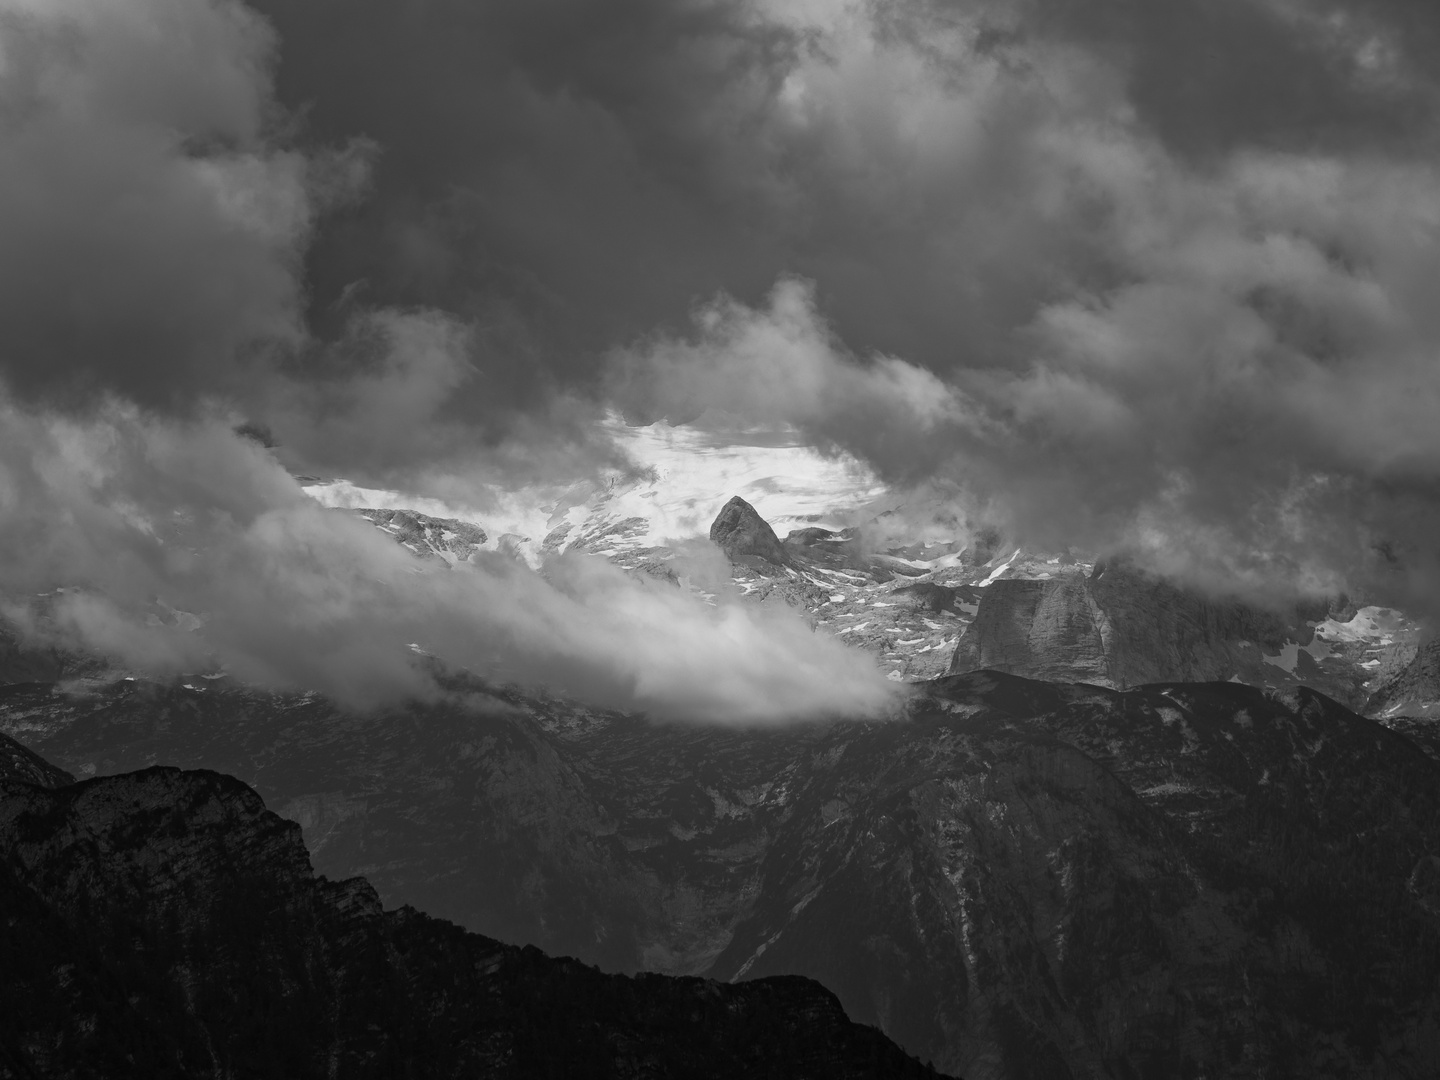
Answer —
(984, 879)
(149, 905)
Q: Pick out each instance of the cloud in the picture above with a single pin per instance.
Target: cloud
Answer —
(138, 515)
(379, 404)
(154, 206)
(152, 228)
(784, 364)
(156, 201)
(1039, 256)
(1234, 376)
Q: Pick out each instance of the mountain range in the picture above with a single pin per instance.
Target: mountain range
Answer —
(164, 923)
(1175, 874)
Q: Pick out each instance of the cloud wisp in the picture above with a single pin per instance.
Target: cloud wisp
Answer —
(154, 207)
(988, 247)
(136, 514)
(1232, 373)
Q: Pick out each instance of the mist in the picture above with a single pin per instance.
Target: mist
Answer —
(135, 514)
(987, 248)
(1232, 377)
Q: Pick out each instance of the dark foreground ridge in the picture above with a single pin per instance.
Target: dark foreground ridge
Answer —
(165, 924)
(1019, 879)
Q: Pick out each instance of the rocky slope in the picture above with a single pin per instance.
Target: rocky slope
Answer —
(990, 881)
(1415, 690)
(163, 923)
(1117, 626)
(437, 539)
(911, 605)
(746, 538)
(1020, 879)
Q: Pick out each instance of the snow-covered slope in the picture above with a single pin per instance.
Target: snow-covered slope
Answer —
(685, 475)
(898, 576)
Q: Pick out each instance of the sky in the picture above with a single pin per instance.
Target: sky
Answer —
(1117, 275)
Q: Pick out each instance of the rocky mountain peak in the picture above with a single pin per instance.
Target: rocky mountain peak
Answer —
(747, 538)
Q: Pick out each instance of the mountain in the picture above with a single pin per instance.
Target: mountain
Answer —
(163, 923)
(1119, 626)
(1415, 690)
(1019, 878)
(444, 539)
(747, 538)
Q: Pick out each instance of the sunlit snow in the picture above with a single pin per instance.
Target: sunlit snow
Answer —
(687, 476)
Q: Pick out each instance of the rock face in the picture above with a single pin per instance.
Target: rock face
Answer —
(1415, 691)
(1120, 627)
(1020, 879)
(746, 537)
(1051, 629)
(432, 538)
(19, 765)
(163, 923)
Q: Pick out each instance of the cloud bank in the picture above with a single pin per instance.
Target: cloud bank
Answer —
(138, 515)
(155, 203)
(1114, 277)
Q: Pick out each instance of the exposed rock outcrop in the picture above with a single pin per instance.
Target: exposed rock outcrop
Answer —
(1122, 627)
(928, 596)
(747, 539)
(163, 923)
(1415, 691)
(438, 539)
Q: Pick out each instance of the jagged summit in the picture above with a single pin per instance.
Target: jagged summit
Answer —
(747, 538)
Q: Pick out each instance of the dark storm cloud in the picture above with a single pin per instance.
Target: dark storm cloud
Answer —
(1121, 280)
(573, 174)
(1213, 76)
(566, 174)
(152, 217)
(142, 518)
(1234, 351)
(150, 229)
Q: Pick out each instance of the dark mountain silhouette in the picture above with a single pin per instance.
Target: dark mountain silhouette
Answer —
(163, 923)
(1020, 879)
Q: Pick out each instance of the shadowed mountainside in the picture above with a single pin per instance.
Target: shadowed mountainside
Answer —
(1020, 879)
(163, 923)
(1121, 627)
(1414, 691)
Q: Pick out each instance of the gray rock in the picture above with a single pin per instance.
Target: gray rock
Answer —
(747, 539)
(1415, 690)
(1122, 627)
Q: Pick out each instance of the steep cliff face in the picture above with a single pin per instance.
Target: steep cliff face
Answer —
(1120, 627)
(1019, 879)
(163, 923)
(1050, 629)
(1414, 691)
